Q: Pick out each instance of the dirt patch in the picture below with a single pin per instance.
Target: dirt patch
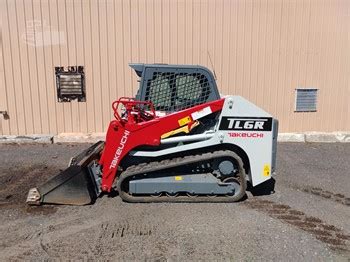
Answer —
(328, 234)
(113, 230)
(16, 181)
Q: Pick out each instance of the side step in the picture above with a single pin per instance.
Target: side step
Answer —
(79, 184)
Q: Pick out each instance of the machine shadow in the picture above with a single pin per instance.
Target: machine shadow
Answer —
(266, 188)
(114, 193)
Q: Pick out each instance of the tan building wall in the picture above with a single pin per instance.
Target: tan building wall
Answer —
(261, 50)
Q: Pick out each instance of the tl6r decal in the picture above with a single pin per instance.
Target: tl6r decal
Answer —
(246, 123)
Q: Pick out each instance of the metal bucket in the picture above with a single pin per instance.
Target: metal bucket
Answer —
(79, 184)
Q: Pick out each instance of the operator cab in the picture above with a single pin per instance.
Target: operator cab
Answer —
(172, 88)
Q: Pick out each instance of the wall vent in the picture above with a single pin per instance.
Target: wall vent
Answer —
(70, 83)
(306, 100)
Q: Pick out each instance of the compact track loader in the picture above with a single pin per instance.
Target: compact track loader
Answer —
(178, 140)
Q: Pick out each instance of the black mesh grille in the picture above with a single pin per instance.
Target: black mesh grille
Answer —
(177, 91)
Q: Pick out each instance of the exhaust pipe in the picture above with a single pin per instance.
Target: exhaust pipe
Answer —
(79, 184)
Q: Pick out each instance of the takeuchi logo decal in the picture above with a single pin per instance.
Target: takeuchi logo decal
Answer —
(119, 150)
(246, 135)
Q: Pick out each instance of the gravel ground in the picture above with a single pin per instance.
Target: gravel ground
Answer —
(307, 218)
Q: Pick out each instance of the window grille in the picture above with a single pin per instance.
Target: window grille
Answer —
(177, 91)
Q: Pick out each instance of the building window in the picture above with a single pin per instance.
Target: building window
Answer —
(306, 100)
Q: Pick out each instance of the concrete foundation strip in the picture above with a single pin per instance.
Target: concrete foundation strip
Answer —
(309, 137)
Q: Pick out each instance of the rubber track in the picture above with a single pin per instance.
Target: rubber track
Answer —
(177, 162)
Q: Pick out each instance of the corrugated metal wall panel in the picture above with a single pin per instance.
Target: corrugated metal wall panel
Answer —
(262, 50)
(4, 125)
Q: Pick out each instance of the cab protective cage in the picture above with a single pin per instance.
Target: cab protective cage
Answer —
(172, 88)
